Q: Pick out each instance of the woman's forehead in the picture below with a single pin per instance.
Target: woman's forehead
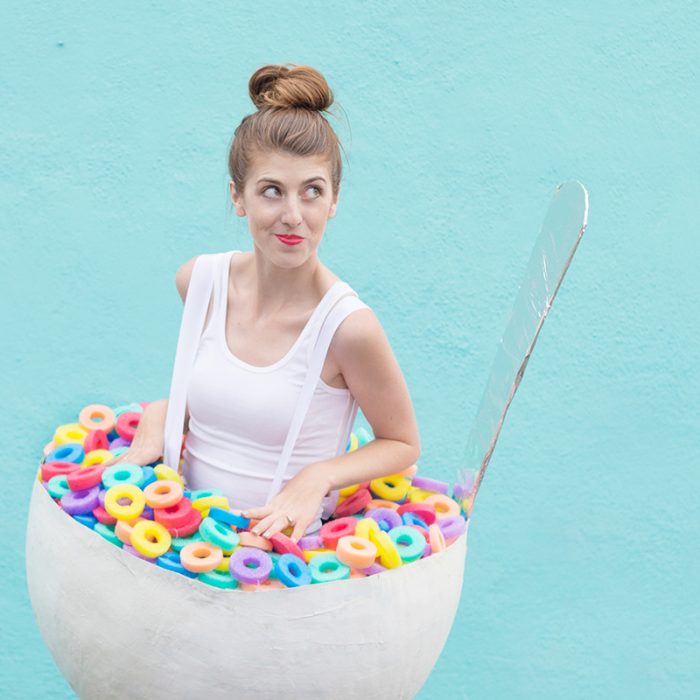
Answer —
(288, 167)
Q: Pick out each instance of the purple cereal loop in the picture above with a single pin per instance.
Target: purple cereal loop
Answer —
(423, 482)
(119, 442)
(452, 526)
(464, 487)
(238, 565)
(81, 502)
(147, 513)
(373, 569)
(135, 552)
(310, 542)
(386, 518)
(427, 551)
(101, 496)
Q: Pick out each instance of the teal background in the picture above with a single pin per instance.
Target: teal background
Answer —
(582, 573)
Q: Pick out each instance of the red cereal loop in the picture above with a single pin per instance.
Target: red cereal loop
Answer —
(285, 545)
(354, 504)
(333, 530)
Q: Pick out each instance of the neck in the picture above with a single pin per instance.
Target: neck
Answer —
(276, 288)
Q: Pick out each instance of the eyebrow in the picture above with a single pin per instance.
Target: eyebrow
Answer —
(277, 182)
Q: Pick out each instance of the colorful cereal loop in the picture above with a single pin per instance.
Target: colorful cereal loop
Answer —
(409, 542)
(128, 511)
(437, 539)
(107, 533)
(162, 471)
(71, 432)
(204, 504)
(68, 452)
(97, 417)
(356, 552)
(58, 486)
(127, 424)
(387, 551)
(390, 488)
(122, 473)
(218, 579)
(51, 469)
(201, 557)
(250, 566)
(327, 567)
(123, 528)
(444, 506)
(292, 571)
(163, 493)
(96, 457)
(367, 528)
(96, 440)
(151, 539)
(219, 534)
(248, 539)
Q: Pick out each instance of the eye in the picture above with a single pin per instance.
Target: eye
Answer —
(269, 187)
(318, 190)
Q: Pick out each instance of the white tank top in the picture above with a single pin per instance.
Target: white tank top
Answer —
(240, 414)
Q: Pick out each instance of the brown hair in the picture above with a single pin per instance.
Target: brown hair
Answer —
(290, 101)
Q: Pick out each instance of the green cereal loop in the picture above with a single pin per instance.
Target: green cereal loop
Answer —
(108, 533)
(409, 542)
(178, 543)
(218, 579)
(128, 408)
(218, 534)
(122, 473)
(57, 486)
(327, 567)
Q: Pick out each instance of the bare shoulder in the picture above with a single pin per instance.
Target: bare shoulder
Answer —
(359, 334)
(183, 277)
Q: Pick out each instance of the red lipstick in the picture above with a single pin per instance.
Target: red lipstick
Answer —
(290, 240)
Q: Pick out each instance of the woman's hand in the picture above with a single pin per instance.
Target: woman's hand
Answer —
(137, 454)
(299, 499)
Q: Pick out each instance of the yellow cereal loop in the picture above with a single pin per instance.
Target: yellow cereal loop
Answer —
(366, 528)
(150, 538)
(224, 564)
(204, 503)
(390, 488)
(96, 457)
(387, 551)
(348, 491)
(354, 442)
(71, 432)
(309, 554)
(163, 471)
(416, 495)
(137, 501)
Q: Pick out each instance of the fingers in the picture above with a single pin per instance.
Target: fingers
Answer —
(299, 530)
(257, 513)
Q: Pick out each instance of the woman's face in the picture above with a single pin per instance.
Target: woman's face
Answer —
(286, 195)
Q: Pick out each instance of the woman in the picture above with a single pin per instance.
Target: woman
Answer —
(266, 312)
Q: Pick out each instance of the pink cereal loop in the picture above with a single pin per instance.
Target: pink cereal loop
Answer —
(248, 539)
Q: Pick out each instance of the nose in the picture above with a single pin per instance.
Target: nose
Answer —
(292, 213)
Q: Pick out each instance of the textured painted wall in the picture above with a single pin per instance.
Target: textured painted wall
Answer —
(462, 119)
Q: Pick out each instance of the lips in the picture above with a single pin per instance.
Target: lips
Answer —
(289, 240)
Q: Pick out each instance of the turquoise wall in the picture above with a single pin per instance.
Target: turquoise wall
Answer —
(582, 573)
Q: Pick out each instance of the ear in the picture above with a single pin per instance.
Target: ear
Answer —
(237, 199)
(334, 205)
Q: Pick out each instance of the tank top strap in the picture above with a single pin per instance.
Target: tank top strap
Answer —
(332, 313)
(193, 316)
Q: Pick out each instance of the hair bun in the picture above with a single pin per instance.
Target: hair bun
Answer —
(289, 86)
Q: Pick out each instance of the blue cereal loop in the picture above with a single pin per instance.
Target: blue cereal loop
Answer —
(225, 516)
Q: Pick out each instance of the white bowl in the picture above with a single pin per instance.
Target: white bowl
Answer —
(120, 627)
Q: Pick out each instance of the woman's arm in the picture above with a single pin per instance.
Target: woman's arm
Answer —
(372, 373)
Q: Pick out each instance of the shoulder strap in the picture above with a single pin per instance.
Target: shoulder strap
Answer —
(334, 317)
(193, 315)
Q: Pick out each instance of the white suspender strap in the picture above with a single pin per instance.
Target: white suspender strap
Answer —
(193, 315)
(331, 320)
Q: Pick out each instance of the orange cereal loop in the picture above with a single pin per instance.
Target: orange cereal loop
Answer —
(123, 529)
(97, 416)
(381, 503)
(444, 505)
(436, 539)
(356, 552)
(163, 493)
(200, 557)
(248, 539)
